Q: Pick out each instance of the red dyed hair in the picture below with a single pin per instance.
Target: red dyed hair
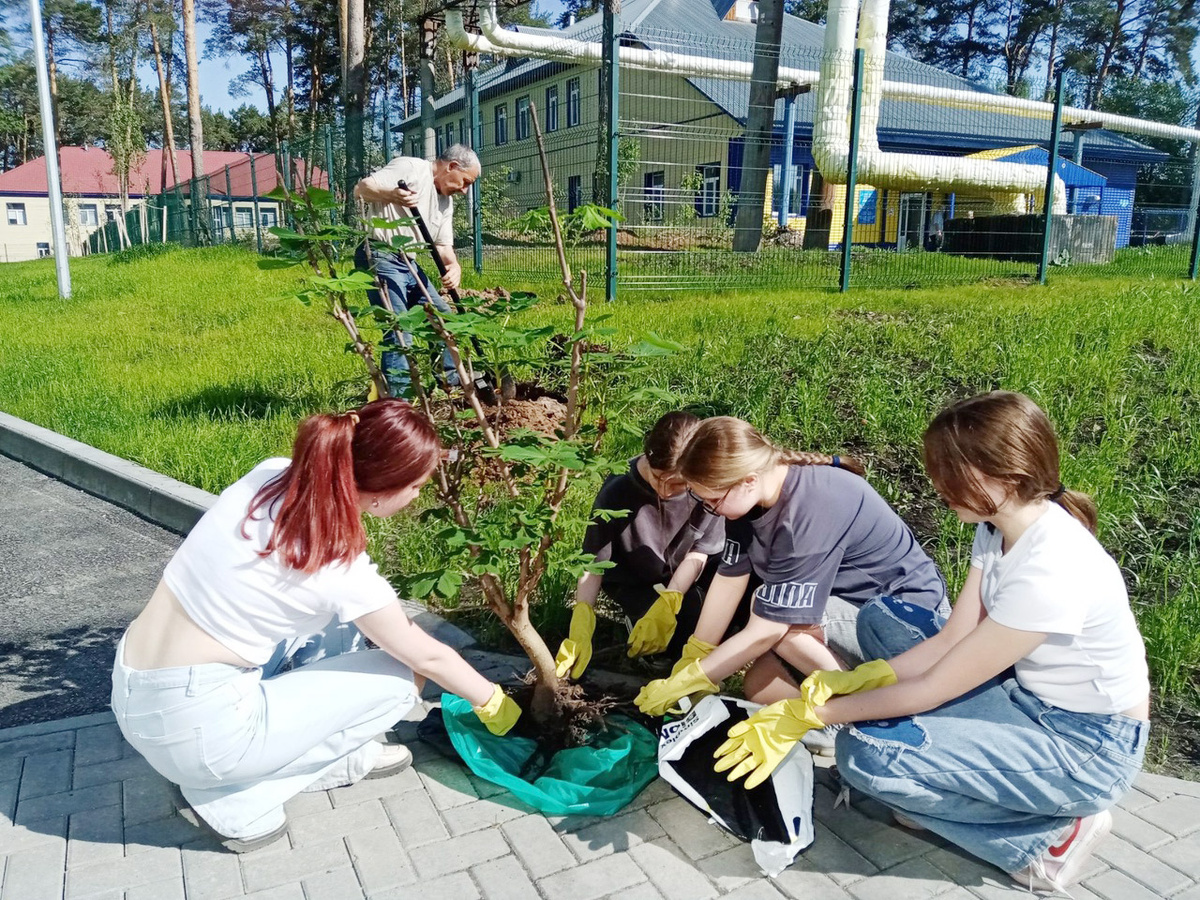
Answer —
(384, 447)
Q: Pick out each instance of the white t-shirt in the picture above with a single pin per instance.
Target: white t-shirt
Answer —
(250, 603)
(1057, 579)
(437, 210)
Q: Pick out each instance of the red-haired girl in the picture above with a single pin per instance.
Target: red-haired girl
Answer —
(234, 681)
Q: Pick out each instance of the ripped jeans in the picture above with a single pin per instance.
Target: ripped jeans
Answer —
(996, 771)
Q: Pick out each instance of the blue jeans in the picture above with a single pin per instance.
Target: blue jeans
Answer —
(403, 292)
(996, 771)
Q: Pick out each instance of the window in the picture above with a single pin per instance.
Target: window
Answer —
(112, 212)
(87, 214)
(552, 108)
(414, 147)
(572, 102)
(268, 217)
(243, 216)
(710, 189)
(796, 199)
(449, 139)
(43, 249)
(462, 131)
(574, 192)
(655, 189)
(16, 214)
(501, 124)
(522, 118)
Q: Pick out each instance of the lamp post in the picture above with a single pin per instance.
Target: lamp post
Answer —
(53, 182)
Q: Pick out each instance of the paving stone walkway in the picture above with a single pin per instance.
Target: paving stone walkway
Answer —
(81, 815)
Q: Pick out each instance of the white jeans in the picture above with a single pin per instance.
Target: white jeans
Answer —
(241, 742)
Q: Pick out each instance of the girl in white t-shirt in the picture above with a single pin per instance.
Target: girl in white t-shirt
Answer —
(234, 682)
(1018, 771)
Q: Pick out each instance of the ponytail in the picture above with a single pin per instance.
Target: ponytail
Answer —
(1079, 505)
(801, 458)
(385, 446)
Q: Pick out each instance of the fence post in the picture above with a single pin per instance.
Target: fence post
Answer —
(612, 51)
(330, 181)
(227, 216)
(1051, 167)
(387, 130)
(852, 168)
(254, 191)
(475, 140)
(1194, 265)
(786, 173)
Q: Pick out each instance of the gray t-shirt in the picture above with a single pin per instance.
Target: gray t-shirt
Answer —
(648, 544)
(829, 533)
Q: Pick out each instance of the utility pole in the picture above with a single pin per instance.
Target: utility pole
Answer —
(50, 153)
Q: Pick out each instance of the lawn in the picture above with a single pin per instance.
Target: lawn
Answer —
(195, 364)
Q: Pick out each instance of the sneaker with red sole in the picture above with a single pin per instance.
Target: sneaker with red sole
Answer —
(1063, 862)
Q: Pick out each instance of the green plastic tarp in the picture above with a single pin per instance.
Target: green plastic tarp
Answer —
(594, 780)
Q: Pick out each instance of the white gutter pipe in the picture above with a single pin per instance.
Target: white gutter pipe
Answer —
(500, 41)
(1006, 183)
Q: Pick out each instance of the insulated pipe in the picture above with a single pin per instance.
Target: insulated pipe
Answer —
(500, 41)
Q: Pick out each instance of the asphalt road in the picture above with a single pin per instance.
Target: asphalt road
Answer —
(74, 571)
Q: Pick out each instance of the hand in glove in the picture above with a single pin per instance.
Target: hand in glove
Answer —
(821, 685)
(653, 631)
(664, 693)
(693, 651)
(500, 713)
(575, 652)
(759, 744)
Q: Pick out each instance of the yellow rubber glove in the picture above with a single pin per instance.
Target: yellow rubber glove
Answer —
(818, 687)
(759, 744)
(693, 651)
(500, 713)
(652, 632)
(664, 693)
(575, 652)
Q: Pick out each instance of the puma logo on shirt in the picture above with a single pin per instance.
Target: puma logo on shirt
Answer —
(789, 595)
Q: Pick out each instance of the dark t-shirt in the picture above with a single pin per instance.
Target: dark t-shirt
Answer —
(829, 533)
(648, 545)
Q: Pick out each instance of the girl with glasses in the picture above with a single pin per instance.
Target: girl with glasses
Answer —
(824, 544)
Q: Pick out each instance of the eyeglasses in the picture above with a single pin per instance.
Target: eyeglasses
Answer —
(710, 506)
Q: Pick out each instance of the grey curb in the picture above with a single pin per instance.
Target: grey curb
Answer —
(164, 501)
(34, 729)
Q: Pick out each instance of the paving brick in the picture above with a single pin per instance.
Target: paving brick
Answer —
(308, 803)
(379, 859)
(1135, 800)
(98, 744)
(504, 879)
(963, 868)
(415, 819)
(10, 768)
(672, 873)
(447, 784)
(805, 884)
(112, 770)
(168, 889)
(173, 831)
(36, 873)
(376, 788)
(332, 823)
(210, 874)
(1136, 830)
(38, 743)
(1114, 885)
(340, 884)
(1183, 854)
(1160, 786)
(146, 798)
(458, 886)
(456, 854)
(837, 859)
(612, 835)
(1141, 866)
(483, 788)
(482, 814)
(911, 880)
(655, 792)
(46, 773)
(283, 892)
(95, 835)
(758, 890)
(690, 828)
(608, 875)
(1192, 893)
(731, 868)
(22, 837)
(267, 870)
(159, 864)
(538, 845)
(8, 798)
(66, 803)
(1179, 815)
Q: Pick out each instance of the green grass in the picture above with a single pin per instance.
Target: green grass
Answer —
(192, 364)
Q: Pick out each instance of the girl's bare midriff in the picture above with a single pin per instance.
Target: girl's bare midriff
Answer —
(164, 636)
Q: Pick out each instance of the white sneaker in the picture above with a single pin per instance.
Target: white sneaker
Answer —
(905, 822)
(820, 742)
(393, 758)
(1063, 862)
